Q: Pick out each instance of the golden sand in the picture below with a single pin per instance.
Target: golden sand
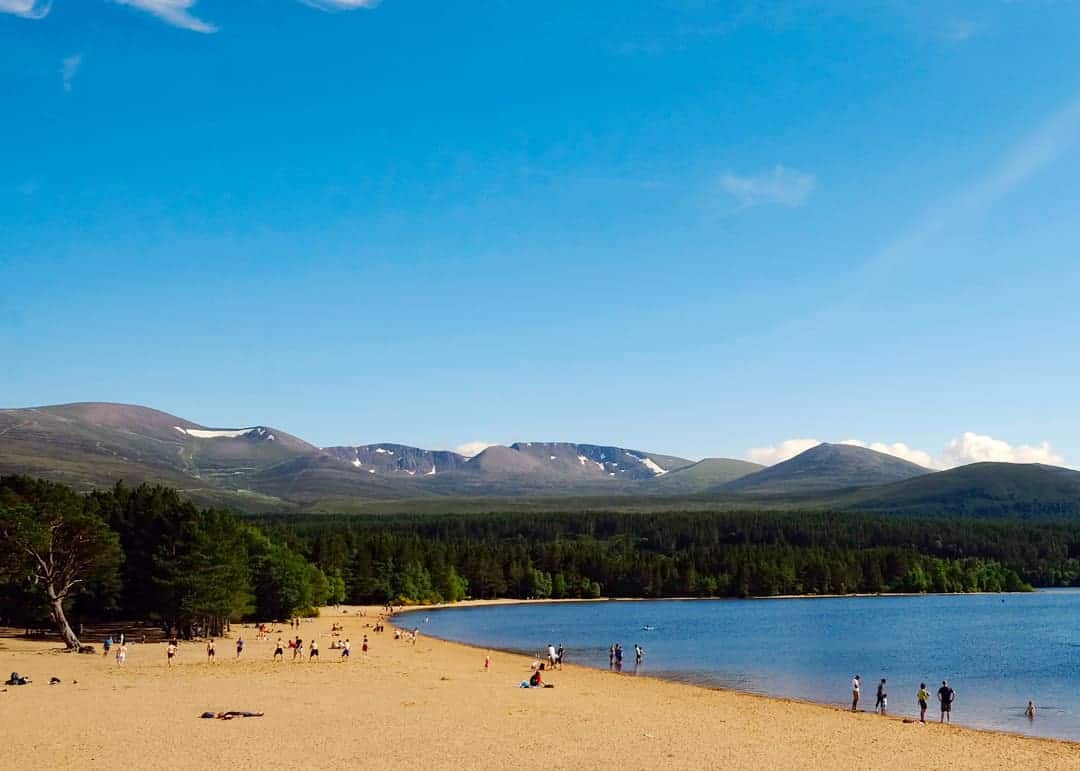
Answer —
(432, 705)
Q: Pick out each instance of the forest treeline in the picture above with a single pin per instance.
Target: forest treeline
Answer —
(148, 553)
(697, 554)
(143, 553)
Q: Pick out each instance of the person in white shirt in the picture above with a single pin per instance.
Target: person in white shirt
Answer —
(551, 655)
(855, 693)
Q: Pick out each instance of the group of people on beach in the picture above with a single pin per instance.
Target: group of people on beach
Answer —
(945, 695)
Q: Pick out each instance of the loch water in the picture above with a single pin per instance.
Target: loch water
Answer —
(996, 650)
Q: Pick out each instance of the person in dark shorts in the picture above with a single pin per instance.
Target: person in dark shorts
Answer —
(922, 697)
(211, 652)
(239, 646)
(946, 696)
(314, 654)
(279, 651)
(882, 703)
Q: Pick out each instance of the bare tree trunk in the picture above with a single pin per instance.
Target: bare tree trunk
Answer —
(56, 607)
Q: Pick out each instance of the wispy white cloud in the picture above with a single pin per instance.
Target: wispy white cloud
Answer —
(175, 12)
(28, 9)
(69, 68)
(781, 186)
(969, 447)
(340, 5)
(1033, 153)
(469, 449)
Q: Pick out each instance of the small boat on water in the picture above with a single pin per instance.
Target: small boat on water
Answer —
(648, 628)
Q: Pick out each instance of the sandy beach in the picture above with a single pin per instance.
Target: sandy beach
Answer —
(432, 705)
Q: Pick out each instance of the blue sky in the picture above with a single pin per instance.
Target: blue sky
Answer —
(703, 228)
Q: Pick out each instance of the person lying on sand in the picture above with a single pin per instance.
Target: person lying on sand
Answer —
(16, 679)
(229, 715)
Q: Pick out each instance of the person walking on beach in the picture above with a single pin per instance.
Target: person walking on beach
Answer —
(170, 652)
(314, 650)
(551, 656)
(239, 646)
(298, 649)
(106, 645)
(559, 655)
(121, 654)
(946, 696)
(364, 647)
(346, 649)
(882, 702)
(211, 652)
(855, 683)
(922, 696)
(279, 651)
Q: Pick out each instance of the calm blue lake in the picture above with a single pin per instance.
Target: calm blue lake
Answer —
(997, 651)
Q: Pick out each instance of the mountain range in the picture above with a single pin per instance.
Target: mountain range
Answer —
(260, 468)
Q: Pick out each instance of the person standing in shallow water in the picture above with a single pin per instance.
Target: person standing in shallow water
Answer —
(882, 702)
(855, 683)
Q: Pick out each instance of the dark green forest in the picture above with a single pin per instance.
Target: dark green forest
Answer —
(700, 554)
(142, 553)
(147, 553)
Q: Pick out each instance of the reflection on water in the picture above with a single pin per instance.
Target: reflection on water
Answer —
(997, 651)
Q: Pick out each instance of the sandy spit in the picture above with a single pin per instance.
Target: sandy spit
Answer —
(432, 706)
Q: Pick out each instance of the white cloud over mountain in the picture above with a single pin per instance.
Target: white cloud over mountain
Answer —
(972, 447)
(469, 449)
(969, 447)
(787, 449)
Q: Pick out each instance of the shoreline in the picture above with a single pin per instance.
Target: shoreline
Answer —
(692, 682)
(432, 705)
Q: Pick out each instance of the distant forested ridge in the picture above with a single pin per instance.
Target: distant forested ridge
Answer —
(698, 554)
(143, 553)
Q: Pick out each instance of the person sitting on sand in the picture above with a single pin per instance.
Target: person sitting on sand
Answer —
(536, 681)
(1030, 711)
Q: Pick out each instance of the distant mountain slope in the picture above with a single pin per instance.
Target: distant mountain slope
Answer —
(700, 476)
(826, 467)
(398, 459)
(94, 444)
(979, 489)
